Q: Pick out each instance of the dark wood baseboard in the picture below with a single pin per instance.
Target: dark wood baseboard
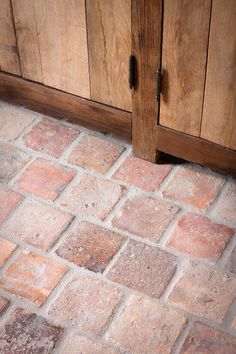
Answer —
(58, 104)
(196, 150)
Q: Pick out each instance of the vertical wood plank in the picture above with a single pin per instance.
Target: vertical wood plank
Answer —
(9, 59)
(219, 113)
(185, 41)
(109, 43)
(146, 47)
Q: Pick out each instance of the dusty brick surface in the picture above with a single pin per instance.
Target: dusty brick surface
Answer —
(3, 304)
(193, 187)
(44, 179)
(142, 174)
(50, 137)
(37, 224)
(95, 154)
(12, 159)
(87, 302)
(32, 277)
(225, 208)
(145, 326)
(21, 118)
(144, 268)
(28, 333)
(90, 246)
(8, 201)
(234, 323)
(207, 340)
(145, 217)
(6, 249)
(204, 292)
(231, 263)
(200, 237)
(92, 196)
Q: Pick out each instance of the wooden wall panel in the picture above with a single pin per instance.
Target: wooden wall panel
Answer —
(9, 59)
(219, 113)
(185, 41)
(109, 41)
(53, 43)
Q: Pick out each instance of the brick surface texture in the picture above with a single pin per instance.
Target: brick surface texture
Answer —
(104, 253)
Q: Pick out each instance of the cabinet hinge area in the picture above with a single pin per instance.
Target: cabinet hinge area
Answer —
(131, 71)
(158, 84)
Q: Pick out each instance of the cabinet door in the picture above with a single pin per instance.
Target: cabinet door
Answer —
(219, 113)
(184, 54)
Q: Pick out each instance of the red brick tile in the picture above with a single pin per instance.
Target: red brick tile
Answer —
(86, 346)
(37, 224)
(142, 174)
(25, 332)
(8, 201)
(204, 292)
(207, 340)
(145, 326)
(234, 323)
(50, 137)
(90, 246)
(12, 160)
(88, 302)
(231, 263)
(144, 268)
(95, 153)
(32, 277)
(225, 208)
(193, 187)
(92, 196)
(145, 217)
(200, 237)
(6, 249)
(44, 179)
(3, 304)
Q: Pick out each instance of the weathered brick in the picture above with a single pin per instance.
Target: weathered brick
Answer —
(95, 153)
(92, 196)
(231, 263)
(44, 179)
(225, 208)
(234, 323)
(145, 326)
(144, 268)
(12, 160)
(207, 340)
(8, 201)
(3, 304)
(205, 292)
(145, 217)
(37, 224)
(50, 137)
(6, 249)
(90, 246)
(88, 302)
(32, 277)
(195, 187)
(200, 237)
(27, 333)
(142, 174)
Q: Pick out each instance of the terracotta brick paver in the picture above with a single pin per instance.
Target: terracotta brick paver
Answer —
(231, 263)
(3, 304)
(226, 205)
(6, 249)
(8, 201)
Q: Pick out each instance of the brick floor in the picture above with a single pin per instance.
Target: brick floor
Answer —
(110, 255)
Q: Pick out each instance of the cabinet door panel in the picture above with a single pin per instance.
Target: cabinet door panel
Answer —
(219, 113)
(184, 48)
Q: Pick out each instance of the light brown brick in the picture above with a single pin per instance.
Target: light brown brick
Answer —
(145, 217)
(144, 268)
(32, 277)
(37, 224)
(90, 246)
(205, 292)
(8, 201)
(225, 208)
(87, 302)
(145, 326)
(6, 249)
(3, 304)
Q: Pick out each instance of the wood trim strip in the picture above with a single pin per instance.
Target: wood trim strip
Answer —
(58, 104)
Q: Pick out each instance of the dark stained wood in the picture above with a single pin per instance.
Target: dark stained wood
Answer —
(195, 149)
(62, 105)
(146, 47)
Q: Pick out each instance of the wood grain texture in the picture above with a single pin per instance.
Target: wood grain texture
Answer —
(185, 41)
(146, 47)
(219, 112)
(109, 45)
(65, 106)
(9, 58)
(53, 43)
